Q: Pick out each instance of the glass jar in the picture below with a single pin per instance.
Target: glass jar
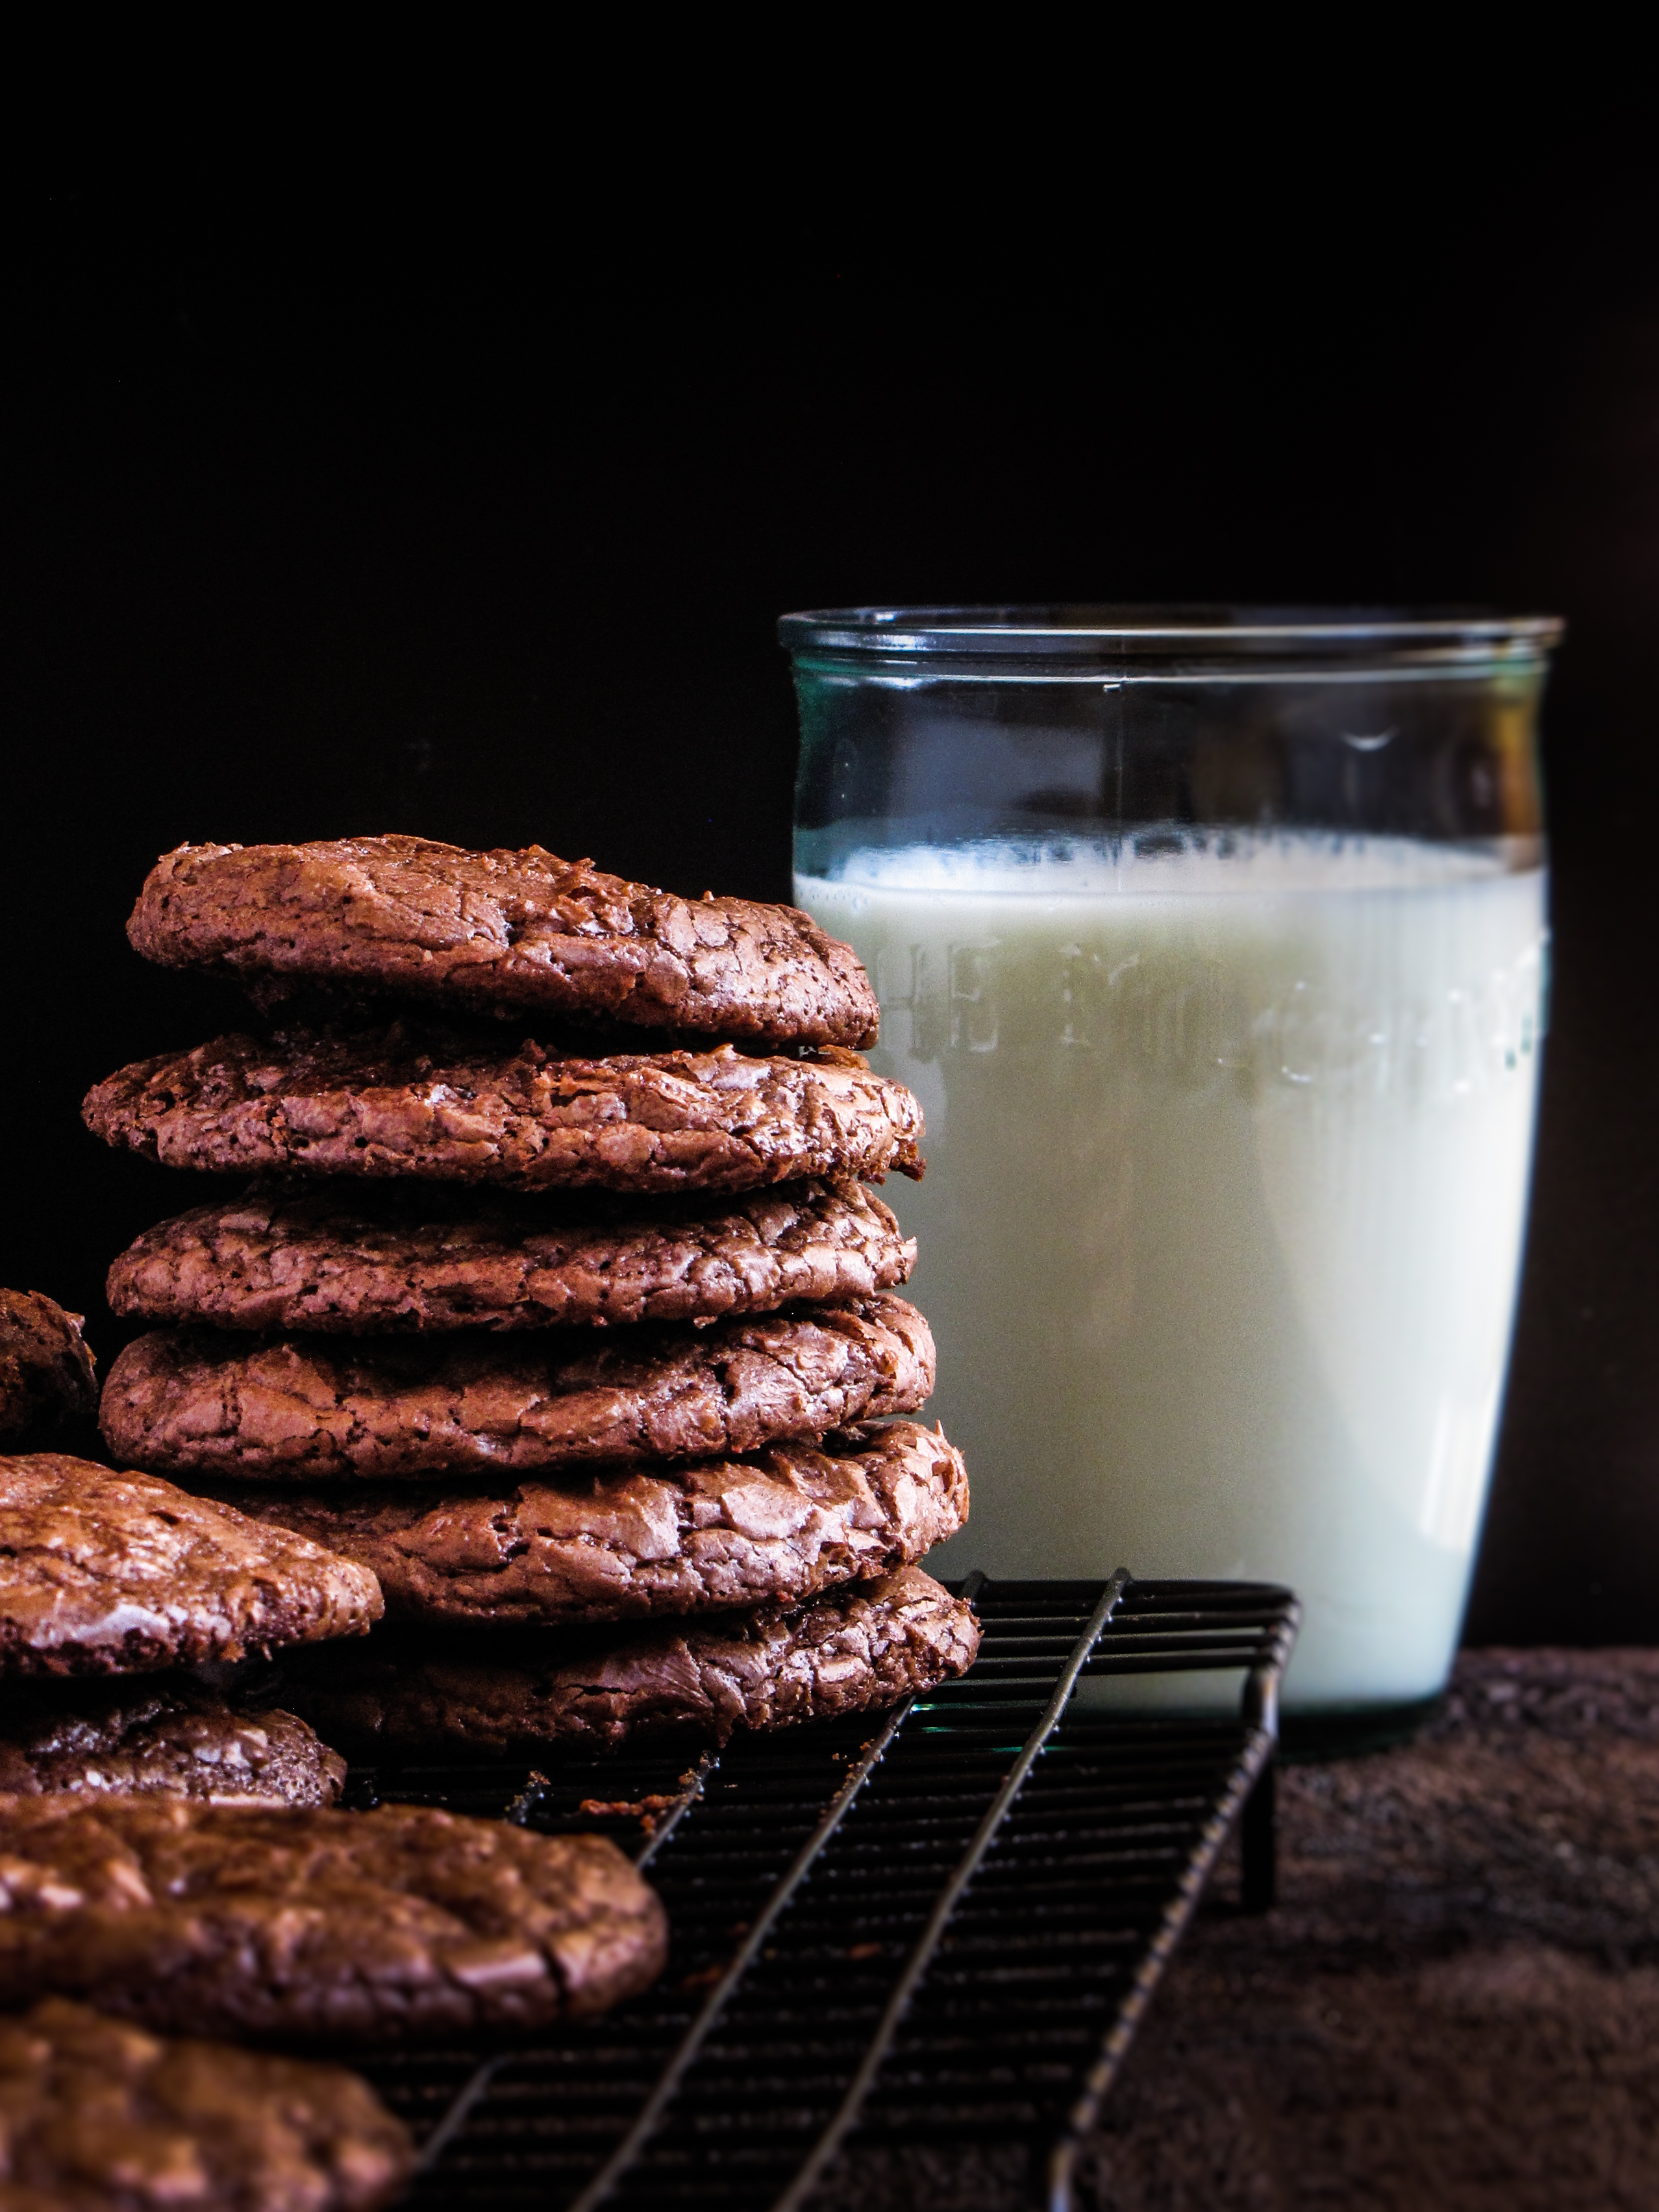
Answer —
(1213, 943)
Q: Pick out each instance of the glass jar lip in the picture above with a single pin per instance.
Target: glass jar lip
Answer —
(1207, 637)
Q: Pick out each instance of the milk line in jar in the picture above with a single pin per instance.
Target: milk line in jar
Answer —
(1228, 1140)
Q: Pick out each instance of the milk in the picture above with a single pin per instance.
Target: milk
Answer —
(1228, 1152)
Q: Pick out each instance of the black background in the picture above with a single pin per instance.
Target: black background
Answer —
(403, 512)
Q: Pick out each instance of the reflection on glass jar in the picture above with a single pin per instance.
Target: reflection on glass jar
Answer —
(1223, 993)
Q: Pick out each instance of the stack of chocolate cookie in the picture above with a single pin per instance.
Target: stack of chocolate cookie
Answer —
(553, 1333)
(112, 1588)
(177, 1865)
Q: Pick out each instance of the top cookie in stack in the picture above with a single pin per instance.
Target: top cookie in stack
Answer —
(431, 1321)
(502, 932)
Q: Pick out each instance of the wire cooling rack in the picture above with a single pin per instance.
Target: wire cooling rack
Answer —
(927, 1935)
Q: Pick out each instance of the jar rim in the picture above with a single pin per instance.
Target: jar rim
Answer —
(1201, 636)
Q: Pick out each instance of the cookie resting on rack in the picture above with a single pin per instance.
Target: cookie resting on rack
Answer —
(402, 1924)
(410, 1692)
(96, 2115)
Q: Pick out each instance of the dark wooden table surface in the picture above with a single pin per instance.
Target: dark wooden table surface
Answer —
(1455, 2006)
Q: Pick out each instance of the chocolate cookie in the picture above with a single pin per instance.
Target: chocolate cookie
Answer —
(302, 1408)
(95, 2116)
(403, 1102)
(129, 1738)
(402, 1256)
(46, 1380)
(249, 1921)
(113, 1574)
(616, 1547)
(409, 1692)
(504, 929)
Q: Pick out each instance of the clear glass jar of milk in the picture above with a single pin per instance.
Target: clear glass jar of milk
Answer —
(1214, 944)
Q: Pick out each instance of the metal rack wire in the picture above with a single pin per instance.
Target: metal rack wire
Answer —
(938, 1927)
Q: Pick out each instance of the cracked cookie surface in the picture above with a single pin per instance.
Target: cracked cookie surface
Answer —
(96, 2115)
(172, 1735)
(403, 1923)
(402, 1101)
(106, 1574)
(301, 1408)
(517, 930)
(774, 1529)
(402, 1257)
(850, 1651)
